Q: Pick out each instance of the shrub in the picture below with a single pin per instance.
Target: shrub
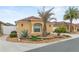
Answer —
(24, 34)
(48, 33)
(60, 30)
(35, 38)
(13, 34)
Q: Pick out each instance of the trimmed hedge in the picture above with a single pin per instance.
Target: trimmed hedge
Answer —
(13, 34)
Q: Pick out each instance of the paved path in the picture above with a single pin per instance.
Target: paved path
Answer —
(3, 37)
(6, 46)
(66, 46)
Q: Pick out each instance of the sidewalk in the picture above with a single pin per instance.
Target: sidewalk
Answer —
(6, 46)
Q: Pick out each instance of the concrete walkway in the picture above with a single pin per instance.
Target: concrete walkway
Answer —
(6, 46)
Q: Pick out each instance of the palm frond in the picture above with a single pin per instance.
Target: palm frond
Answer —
(45, 15)
(71, 13)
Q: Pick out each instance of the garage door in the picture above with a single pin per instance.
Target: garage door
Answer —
(8, 29)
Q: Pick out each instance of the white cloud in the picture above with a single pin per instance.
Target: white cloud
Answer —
(12, 14)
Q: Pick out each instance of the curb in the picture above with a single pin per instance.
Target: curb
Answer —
(53, 43)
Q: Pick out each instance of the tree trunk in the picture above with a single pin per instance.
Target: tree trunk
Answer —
(44, 29)
(58, 34)
(71, 25)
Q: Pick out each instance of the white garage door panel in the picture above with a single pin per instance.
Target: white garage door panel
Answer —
(8, 29)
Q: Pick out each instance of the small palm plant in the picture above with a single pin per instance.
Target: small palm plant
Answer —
(24, 34)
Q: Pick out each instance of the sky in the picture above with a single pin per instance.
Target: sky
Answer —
(13, 13)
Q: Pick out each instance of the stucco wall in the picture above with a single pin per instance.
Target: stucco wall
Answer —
(26, 26)
(49, 27)
(29, 26)
(32, 24)
(8, 29)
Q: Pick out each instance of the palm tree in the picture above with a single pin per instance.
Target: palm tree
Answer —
(71, 14)
(45, 15)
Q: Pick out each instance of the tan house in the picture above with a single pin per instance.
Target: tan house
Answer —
(66, 25)
(78, 27)
(33, 25)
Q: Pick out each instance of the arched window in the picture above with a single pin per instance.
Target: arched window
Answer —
(37, 27)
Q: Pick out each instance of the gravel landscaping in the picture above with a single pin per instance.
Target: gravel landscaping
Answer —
(50, 38)
(8, 46)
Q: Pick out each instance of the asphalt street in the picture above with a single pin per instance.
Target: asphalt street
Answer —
(66, 46)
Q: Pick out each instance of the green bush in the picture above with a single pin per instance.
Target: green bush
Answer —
(13, 34)
(35, 38)
(24, 34)
(48, 33)
(60, 30)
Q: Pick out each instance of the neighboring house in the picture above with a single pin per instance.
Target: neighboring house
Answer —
(6, 28)
(66, 25)
(78, 27)
(33, 25)
(1, 24)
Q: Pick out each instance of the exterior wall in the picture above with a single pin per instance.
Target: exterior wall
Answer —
(1, 32)
(74, 29)
(54, 28)
(26, 26)
(77, 28)
(29, 26)
(32, 24)
(8, 29)
(49, 27)
(68, 28)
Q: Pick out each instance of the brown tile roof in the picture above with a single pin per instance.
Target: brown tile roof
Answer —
(61, 23)
(29, 18)
(7, 24)
(32, 17)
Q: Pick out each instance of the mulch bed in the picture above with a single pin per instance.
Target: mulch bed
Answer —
(51, 38)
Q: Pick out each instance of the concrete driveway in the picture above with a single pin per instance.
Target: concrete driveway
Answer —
(6, 46)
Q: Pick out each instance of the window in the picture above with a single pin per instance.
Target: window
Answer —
(49, 25)
(37, 28)
(22, 25)
(77, 29)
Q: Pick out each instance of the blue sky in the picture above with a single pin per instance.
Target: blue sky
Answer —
(13, 13)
